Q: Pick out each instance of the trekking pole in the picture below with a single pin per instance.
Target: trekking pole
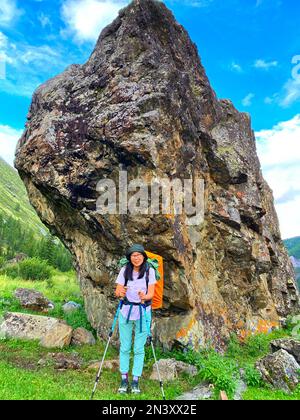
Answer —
(153, 351)
(110, 335)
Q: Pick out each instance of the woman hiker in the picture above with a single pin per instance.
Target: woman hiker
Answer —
(134, 314)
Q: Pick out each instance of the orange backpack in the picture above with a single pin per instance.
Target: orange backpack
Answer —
(157, 300)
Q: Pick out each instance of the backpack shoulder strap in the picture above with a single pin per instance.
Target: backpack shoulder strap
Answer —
(122, 263)
(147, 276)
(125, 279)
(153, 262)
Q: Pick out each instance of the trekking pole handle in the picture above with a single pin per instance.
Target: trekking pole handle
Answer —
(126, 288)
(142, 300)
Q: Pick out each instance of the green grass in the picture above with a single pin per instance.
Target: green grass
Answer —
(223, 370)
(22, 384)
(61, 288)
(254, 347)
(254, 393)
(25, 379)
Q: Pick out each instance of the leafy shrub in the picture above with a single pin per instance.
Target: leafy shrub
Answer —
(252, 377)
(234, 347)
(220, 371)
(257, 345)
(29, 269)
(78, 319)
(213, 367)
(11, 270)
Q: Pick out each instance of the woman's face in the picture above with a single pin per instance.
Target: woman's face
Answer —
(137, 259)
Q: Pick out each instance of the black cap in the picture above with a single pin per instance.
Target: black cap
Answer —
(136, 248)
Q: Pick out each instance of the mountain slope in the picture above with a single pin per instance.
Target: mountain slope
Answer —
(20, 228)
(14, 201)
(293, 246)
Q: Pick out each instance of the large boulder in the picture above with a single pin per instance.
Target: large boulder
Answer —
(169, 369)
(141, 109)
(107, 364)
(200, 392)
(60, 335)
(279, 369)
(71, 307)
(290, 345)
(62, 361)
(18, 258)
(50, 331)
(82, 336)
(32, 299)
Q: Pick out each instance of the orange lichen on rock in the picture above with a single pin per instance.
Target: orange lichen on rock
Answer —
(184, 331)
(240, 194)
(240, 324)
(263, 327)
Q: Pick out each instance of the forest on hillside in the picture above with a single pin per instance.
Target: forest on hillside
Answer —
(15, 239)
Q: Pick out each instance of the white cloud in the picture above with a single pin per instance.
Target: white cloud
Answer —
(289, 218)
(195, 3)
(3, 40)
(38, 55)
(3, 55)
(262, 64)
(281, 144)
(86, 18)
(247, 101)
(279, 153)
(26, 66)
(271, 99)
(268, 3)
(290, 92)
(9, 12)
(236, 67)
(44, 20)
(268, 100)
(8, 141)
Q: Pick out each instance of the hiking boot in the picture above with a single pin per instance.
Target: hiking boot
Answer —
(135, 389)
(123, 389)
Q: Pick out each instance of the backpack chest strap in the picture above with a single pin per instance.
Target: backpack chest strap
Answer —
(127, 302)
(132, 304)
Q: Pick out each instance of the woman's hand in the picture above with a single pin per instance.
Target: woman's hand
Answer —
(120, 291)
(149, 295)
(142, 295)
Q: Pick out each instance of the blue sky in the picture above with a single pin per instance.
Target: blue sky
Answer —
(249, 48)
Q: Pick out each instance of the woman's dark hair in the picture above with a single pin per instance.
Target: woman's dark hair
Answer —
(129, 269)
